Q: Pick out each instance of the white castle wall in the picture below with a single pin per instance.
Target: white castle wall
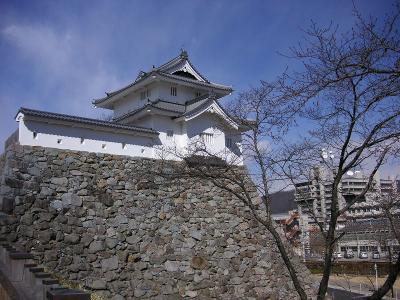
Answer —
(66, 137)
(34, 133)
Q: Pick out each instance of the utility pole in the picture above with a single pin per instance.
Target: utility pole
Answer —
(376, 276)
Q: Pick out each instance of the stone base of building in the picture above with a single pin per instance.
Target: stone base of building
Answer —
(99, 221)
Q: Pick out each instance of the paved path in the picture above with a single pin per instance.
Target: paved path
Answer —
(339, 294)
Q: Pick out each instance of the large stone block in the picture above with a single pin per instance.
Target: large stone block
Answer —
(109, 264)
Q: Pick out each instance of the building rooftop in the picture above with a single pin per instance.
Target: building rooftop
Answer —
(81, 120)
(178, 69)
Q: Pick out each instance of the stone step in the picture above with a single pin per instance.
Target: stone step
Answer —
(27, 273)
(37, 284)
(67, 294)
(49, 284)
(29, 279)
(6, 260)
(17, 261)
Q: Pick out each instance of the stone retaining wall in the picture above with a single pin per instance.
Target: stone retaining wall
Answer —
(97, 219)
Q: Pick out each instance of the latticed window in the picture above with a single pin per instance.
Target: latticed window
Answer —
(228, 142)
(207, 137)
(173, 91)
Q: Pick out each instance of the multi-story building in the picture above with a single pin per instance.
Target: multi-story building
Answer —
(374, 235)
(314, 198)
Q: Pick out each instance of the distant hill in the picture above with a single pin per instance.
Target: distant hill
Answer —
(282, 202)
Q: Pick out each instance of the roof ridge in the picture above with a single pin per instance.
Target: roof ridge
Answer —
(171, 60)
(93, 121)
(196, 99)
(198, 82)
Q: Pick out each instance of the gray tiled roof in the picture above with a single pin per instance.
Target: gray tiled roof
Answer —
(159, 104)
(162, 71)
(179, 109)
(168, 76)
(183, 56)
(197, 82)
(75, 119)
(190, 108)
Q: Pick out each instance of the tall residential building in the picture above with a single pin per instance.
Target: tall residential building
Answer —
(314, 197)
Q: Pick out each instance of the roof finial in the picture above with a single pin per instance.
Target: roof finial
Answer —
(184, 53)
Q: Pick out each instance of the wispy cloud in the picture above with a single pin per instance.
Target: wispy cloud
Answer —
(41, 44)
(66, 75)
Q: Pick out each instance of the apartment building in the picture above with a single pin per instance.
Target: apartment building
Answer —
(314, 198)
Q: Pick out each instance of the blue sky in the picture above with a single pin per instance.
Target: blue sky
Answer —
(59, 55)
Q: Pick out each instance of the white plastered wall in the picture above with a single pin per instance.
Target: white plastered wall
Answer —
(35, 133)
(158, 90)
(211, 123)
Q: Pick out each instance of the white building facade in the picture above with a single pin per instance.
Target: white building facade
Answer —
(171, 111)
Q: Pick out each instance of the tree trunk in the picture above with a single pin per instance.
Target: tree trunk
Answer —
(288, 264)
(323, 285)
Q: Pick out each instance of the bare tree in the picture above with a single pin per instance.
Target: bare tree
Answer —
(270, 116)
(347, 95)
(350, 86)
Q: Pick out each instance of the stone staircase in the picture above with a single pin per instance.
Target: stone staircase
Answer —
(22, 279)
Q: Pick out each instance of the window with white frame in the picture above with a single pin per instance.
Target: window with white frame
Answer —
(142, 95)
(173, 91)
(207, 137)
(170, 135)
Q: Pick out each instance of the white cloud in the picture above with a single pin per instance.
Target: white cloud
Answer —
(62, 72)
(69, 69)
(41, 44)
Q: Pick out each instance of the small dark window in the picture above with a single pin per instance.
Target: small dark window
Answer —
(35, 135)
(59, 141)
(228, 142)
(142, 95)
(82, 141)
(173, 91)
(103, 146)
(197, 94)
(170, 134)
